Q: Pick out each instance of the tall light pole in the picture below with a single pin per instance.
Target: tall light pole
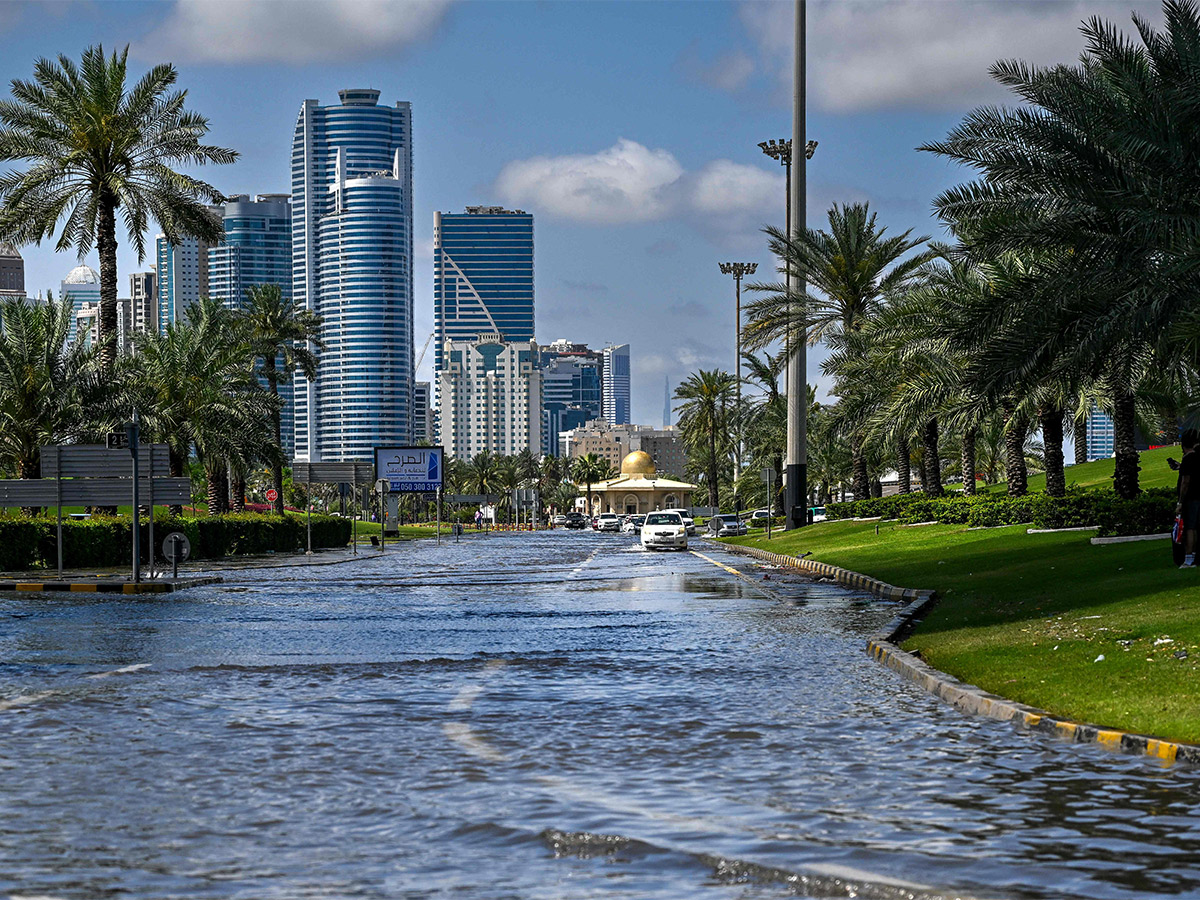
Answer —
(796, 492)
(737, 270)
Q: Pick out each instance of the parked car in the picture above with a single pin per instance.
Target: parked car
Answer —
(633, 524)
(760, 516)
(576, 520)
(560, 520)
(726, 525)
(664, 531)
(608, 522)
(688, 521)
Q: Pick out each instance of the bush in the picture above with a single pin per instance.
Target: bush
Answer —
(103, 541)
(1151, 512)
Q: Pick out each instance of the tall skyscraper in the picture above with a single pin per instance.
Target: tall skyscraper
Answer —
(352, 245)
(666, 401)
(12, 272)
(482, 275)
(616, 384)
(572, 390)
(182, 277)
(256, 249)
(82, 285)
(423, 427)
(143, 298)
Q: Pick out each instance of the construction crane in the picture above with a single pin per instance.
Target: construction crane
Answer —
(421, 358)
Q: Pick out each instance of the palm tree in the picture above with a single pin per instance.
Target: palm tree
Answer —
(704, 421)
(95, 148)
(43, 382)
(484, 471)
(589, 469)
(283, 335)
(1095, 176)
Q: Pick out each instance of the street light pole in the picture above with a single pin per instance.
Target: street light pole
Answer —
(738, 270)
(796, 493)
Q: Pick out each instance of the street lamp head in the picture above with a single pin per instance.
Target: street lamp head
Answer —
(809, 149)
(738, 269)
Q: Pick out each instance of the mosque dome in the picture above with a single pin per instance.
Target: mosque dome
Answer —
(82, 275)
(637, 463)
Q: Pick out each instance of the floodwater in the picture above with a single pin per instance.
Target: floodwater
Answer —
(545, 716)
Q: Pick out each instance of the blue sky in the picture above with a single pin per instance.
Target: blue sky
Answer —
(629, 129)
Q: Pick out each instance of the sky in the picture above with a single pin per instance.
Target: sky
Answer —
(629, 129)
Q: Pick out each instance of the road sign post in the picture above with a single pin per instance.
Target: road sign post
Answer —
(131, 430)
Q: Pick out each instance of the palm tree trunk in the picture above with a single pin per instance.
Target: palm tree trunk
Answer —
(106, 245)
(933, 460)
(903, 467)
(176, 460)
(1014, 451)
(218, 488)
(968, 461)
(1125, 467)
(276, 467)
(1052, 440)
(712, 468)
(862, 483)
(876, 488)
(1081, 450)
(238, 485)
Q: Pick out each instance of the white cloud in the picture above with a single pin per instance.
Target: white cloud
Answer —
(625, 183)
(731, 72)
(629, 182)
(928, 54)
(290, 31)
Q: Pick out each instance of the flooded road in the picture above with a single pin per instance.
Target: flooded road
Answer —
(535, 717)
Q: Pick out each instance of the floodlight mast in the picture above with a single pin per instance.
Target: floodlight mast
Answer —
(796, 492)
(738, 270)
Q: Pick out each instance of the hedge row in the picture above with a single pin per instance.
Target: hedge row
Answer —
(1152, 512)
(104, 541)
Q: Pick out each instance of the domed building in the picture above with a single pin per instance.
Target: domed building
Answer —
(82, 285)
(639, 490)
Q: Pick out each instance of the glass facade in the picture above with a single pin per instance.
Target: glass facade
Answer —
(352, 247)
(616, 385)
(483, 275)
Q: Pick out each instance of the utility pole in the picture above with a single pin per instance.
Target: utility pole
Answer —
(796, 492)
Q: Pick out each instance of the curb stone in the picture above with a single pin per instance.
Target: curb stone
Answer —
(964, 697)
(107, 587)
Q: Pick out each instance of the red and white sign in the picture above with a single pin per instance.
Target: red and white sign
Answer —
(272, 495)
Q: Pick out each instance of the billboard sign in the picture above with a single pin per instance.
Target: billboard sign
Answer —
(408, 469)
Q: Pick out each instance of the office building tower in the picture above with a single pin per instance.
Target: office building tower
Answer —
(423, 425)
(491, 394)
(616, 385)
(82, 285)
(1100, 435)
(352, 245)
(143, 298)
(666, 401)
(571, 390)
(482, 275)
(12, 273)
(256, 249)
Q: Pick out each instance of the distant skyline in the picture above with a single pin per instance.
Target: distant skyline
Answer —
(629, 130)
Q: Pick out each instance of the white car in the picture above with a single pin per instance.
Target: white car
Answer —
(560, 520)
(633, 524)
(688, 521)
(664, 531)
(609, 522)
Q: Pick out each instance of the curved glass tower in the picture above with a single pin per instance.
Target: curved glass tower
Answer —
(352, 247)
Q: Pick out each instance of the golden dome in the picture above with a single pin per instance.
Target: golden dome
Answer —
(637, 463)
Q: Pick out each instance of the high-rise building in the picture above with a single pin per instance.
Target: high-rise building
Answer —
(491, 393)
(12, 272)
(82, 285)
(143, 297)
(352, 245)
(482, 275)
(87, 323)
(616, 384)
(256, 249)
(423, 424)
(1100, 435)
(666, 401)
(571, 390)
(182, 277)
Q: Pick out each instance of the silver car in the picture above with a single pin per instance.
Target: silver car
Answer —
(726, 525)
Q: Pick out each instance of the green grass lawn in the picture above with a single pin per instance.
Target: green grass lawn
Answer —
(1155, 473)
(1027, 616)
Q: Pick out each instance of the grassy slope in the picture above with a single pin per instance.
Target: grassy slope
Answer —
(1155, 473)
(1026, 616)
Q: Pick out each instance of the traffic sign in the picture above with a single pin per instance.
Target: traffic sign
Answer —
(176, 547)
(272, 495)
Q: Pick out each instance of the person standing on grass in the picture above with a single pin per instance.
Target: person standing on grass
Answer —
(1189, 495)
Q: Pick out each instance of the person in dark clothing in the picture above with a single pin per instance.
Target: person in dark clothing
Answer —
(1189, 495)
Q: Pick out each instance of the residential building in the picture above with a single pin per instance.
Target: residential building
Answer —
(482, 275)
(615, 442)
(423, 424)
(352, 248)
(182, 275)
(256, 249)
(616, 385)
(143, 298)
(12, 273)
(490, 395)
(87, 323)
(1100, 441)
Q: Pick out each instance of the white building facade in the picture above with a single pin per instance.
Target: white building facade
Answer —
(489, 397)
